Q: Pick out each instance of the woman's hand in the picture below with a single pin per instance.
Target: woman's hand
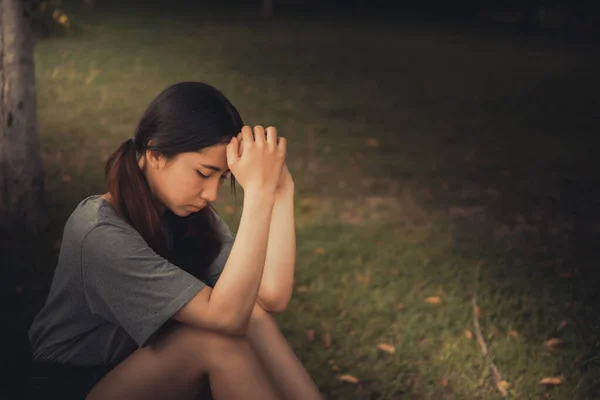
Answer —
(256, 161)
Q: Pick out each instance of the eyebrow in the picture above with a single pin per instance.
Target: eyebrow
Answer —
(217, 169)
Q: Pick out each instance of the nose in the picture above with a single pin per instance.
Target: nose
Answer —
(210, 191)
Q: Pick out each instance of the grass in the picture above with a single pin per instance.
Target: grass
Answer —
(420, 152)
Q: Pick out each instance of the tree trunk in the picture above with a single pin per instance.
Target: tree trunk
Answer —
(22, 204)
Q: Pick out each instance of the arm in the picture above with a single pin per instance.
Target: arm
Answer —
(277, 281)
(227, 308)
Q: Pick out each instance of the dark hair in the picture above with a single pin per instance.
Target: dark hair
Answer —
(185, 117)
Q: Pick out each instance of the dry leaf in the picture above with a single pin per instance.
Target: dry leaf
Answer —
(388, 348)
(433, 300)
(554, 343)
(66, 178)
(229, 209)
(444, 382)
(302, 289)
(477, 311)
(503, 387)
(310, 335)
(335, 368)
(326, 339)
(319, 250)
(348, 378)
(468, 334)
(399, 306)
(578, 358)
(372, 143)
(363, 278)
(563, 324)
(552, 380)
(513, 333)
(425, 341)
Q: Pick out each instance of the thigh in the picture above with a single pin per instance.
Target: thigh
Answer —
(172, 366)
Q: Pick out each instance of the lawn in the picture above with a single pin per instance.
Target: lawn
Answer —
(433, 163)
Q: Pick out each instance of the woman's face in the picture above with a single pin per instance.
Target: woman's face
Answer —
(189, 181)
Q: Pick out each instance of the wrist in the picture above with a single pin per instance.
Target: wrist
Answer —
(286, 190)
(258, 197)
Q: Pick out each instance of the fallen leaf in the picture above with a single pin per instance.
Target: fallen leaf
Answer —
(513, 333)
(425, 341)
(399, 306)
(477, 311)
(578, 358)
(554, 343)
(348, 378)
(310, 335)
(468, 334)
(503, 387)
(365, 279)
(326, 339)
(319, 250)
(552, 380)
(388, 348)
(66, 178)
(433, 300)
(372, 143)
(302, 289)
(335, 368)
(444, 382)
(229, 209)
(563, 324)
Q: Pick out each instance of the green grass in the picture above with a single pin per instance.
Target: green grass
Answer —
(419, 152)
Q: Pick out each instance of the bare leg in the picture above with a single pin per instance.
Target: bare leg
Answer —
(278, 358)
(174, 367)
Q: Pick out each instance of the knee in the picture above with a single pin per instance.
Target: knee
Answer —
(203, 343)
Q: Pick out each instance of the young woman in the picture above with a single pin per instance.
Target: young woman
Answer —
(152, 293)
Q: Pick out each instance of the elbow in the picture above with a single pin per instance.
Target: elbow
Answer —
(274, 304)
(233, 327)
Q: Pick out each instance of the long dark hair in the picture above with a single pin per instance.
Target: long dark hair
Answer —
(185, 117)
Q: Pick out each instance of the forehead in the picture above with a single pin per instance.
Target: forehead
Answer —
(214, 155)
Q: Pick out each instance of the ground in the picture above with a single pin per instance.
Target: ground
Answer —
(433, 163)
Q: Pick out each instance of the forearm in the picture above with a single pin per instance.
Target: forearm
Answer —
(278, 277)
(236, 291)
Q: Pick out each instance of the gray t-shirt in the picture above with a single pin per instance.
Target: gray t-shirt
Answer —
(111, 292)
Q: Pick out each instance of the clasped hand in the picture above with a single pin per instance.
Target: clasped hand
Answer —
(257, 160)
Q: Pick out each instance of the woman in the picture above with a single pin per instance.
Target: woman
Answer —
(152, 292)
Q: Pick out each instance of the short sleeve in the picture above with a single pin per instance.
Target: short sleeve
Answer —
(216, 267)
(127, 283)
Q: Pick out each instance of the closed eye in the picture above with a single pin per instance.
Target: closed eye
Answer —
(223, 177)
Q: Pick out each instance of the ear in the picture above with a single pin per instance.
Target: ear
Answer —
(155, 159)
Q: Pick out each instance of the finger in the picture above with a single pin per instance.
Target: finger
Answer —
(259, 135)
(232, 152)
(272, 136)
(282, 147)
(247, 138)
